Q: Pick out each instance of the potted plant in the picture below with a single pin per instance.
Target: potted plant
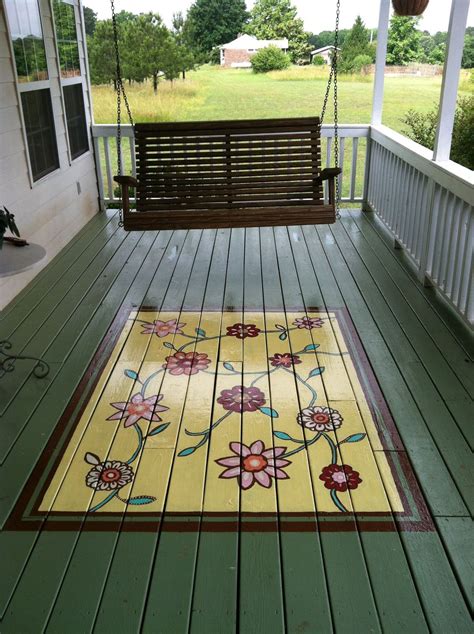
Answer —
(7, 223)
(409, 7)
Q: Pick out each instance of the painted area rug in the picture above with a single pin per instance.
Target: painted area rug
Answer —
(262, 420)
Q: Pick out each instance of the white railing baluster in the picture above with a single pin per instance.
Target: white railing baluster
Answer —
(355, 148)
(108, 170)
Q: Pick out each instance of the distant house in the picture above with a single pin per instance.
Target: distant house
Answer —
(325, 52)
(237, 54)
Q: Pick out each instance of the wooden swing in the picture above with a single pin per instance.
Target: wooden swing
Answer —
(219, 174)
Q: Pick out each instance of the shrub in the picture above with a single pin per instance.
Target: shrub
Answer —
(422, 129)
(270, 58)
(318, 60)
(360, 62)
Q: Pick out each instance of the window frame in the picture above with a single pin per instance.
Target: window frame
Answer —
(68, 81)
(30, 86)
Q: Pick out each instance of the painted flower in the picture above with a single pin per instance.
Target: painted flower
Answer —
(187, 363)
(163, 328)
(320, 419)
(285, 360)
(242, 399)
(254, 464)
(309, 322)
(108, 475)
(340, 477)
(138, 407)
(241, 331)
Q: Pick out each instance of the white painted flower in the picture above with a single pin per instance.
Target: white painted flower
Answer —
(320, 419)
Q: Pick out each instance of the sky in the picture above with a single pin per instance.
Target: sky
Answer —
(318, 15)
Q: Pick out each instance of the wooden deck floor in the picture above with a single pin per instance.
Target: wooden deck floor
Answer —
(62, 571)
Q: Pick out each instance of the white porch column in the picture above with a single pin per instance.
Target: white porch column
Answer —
(382, 38)
(449, 88)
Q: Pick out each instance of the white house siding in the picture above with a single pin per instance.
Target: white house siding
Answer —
(51, 211)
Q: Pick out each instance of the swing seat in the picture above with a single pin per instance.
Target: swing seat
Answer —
(223, 174)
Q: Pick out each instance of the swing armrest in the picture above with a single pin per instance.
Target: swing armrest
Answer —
(328, 173)
(127, 181)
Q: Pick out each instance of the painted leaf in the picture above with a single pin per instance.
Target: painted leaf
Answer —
(353, 438)
(167, 344)
(200, 333)
(91, 458)
(315, 372)
(282, 435)
(187, 452)
(229, 366)
(283, 336)
(268, 411)
(131, 374)
(142, 499)
(280, 327)
(312, 346)
(158, 429)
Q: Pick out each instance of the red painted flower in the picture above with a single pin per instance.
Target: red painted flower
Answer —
(187, 363)
(162, 328)
(340, 477)
(309, 322)
(242, 399)
(285, 360)
(254, 464)
(138, 407)
(241, 331)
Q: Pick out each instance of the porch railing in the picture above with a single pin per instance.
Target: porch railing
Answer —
(428, 206)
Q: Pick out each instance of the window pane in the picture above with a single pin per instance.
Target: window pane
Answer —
(28, 42)
(76, 120)
(66, 35)
(40, 132)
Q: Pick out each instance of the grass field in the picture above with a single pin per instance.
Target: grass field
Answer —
(214, 93)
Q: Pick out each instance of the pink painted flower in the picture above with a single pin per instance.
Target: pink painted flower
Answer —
(309, 322)
(241, 331)
(285, 360)
(254, 464)
(320, 418)
(340, 477)
(187, 363)
(163, 328)
(242, 399)
(138, 407)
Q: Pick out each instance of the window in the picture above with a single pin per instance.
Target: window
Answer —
(76, 120)
(40, 132)
(66, 37)
(24, 21)
(27, 38)
(71, 80)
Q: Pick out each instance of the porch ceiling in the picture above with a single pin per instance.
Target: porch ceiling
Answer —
(267, 579)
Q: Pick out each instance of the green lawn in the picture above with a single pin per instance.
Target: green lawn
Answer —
(215, 93)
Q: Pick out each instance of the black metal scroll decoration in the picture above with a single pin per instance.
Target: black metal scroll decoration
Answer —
(7, 361)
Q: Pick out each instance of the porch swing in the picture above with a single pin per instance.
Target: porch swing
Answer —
(222, 174)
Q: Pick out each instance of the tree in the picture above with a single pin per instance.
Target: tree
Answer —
(147, 41)
(356, 44)
(468, 56)
(403, 41)
(326, 38)
(211, 23)
(102, 53)
(277, 19)
(90, 21)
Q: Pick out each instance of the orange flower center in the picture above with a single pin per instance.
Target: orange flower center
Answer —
(133, 409)
(255, 463)
(110, 475)
(320, 418)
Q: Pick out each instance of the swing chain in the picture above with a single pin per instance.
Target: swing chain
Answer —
(333, 79)
(120, 89)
